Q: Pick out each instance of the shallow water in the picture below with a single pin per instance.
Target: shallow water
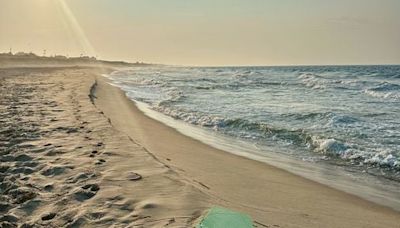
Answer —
(340, 116)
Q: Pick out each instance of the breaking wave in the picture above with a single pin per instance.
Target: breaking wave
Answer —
(384, 90)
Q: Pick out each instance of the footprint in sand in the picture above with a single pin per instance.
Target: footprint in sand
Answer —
(21, 195)
(81, 177)
(8, 219)
(79, 222)
(4, 168)
(54, 171)
(22, 170)
(134, 176)
(4, 206)
(48, 187)
(48, 216)
(86, 192)
(100, 161)
(88, 138)
(23, 158)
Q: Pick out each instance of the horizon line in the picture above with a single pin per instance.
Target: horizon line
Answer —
(210, 66)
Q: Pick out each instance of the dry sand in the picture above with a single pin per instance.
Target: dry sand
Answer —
(75, 152)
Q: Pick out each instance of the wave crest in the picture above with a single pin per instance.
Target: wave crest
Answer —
(384, 90)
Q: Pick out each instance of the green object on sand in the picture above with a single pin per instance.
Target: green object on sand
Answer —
(219, 217)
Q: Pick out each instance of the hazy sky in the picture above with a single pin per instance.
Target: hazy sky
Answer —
(207, 32)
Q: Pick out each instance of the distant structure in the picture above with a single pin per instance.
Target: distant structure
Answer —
(60, 57)
(32, 58)
(24, 54)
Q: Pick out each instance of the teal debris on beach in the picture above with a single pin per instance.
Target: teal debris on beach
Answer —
(219, 217)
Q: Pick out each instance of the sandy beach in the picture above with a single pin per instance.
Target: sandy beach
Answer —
(76, 152)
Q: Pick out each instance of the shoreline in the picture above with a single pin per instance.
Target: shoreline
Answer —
(220, 171)
(368, 187)
(365, 187)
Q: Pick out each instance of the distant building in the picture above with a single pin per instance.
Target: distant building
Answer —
(88, 58)
(25, 54)
(60, 57)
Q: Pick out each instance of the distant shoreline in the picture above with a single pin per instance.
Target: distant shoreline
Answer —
(27, 59)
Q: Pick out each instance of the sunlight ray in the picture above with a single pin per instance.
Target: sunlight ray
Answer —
(75, 29)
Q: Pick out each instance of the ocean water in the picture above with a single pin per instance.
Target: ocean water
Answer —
(345, 116)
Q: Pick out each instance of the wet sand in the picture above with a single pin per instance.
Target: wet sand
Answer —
(75, 152)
